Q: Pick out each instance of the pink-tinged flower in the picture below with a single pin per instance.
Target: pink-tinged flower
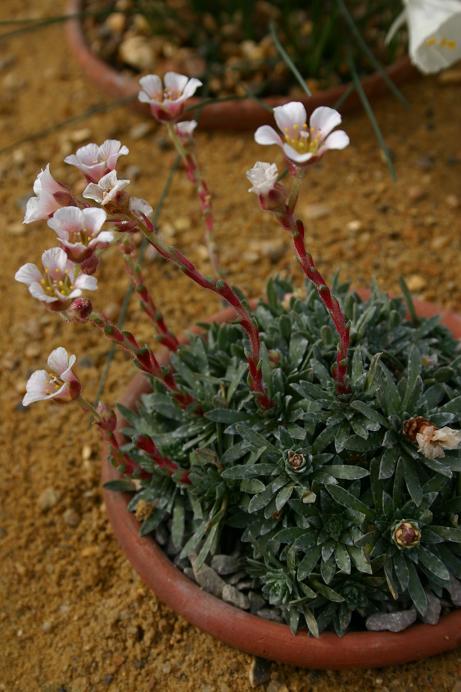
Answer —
(138, 205)
(61, 384)
(303, 143)
(45, 203)
(79, 231)
(185, 130)
(96, 161)
(106, 190)
(59, 283)
(167, 99)
(433, 441)
(263, 177)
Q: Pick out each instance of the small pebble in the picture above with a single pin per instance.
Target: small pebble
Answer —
(137, 51)
(260, 671)
(47, 626)
(415, 193)
(16, 228)
(232, 595)
(87, 452)
(316, 211)
(182, 223)
(79, 136)
(225, 564)
(276, 686)
(32, 350)
(354, 226)
(391, 622)
(452, 201)
(415, 282)
(140, 130)
(71, 518)
(116, 22)
(47, 499)
(269, 614)
(208, 579)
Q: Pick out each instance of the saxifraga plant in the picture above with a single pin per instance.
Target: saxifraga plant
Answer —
(313, 429)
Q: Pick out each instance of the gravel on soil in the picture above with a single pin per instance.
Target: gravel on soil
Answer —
(74, 615)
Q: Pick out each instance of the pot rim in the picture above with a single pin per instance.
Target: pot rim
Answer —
(248, 632)
(243, 114)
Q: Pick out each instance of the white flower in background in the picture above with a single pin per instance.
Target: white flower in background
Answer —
(59, 284)
(432, 441)
(44, 203)
(95, 161)
(263, 177)
(106, 190)
(185, 129)
(79, 231)
(303, 143)
(138, 205)
(435, 32)
(167, 98)
(60, 384)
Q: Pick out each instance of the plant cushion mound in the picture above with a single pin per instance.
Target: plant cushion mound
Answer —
(318, 491)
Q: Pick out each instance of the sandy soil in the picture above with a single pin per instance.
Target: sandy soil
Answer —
(73, 614)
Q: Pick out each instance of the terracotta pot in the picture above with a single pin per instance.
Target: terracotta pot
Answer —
(248, 632)
(246, 114)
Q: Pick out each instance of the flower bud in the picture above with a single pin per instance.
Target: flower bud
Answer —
(406, 534)
(90, 264)
(296, 461)
(107, 418)
(80, 309)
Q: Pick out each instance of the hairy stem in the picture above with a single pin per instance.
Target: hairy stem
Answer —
(194, 174)
(224, 290)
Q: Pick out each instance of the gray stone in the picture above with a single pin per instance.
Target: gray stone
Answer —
(232, 595)
(256, 601)
(71, 517)
(434, 608)
(392, 622)
(208, 579)
(454, 589)
(225, 564)
(235, 578)
(270, 614)
(245, 584)
(189, 572)
(260, 671)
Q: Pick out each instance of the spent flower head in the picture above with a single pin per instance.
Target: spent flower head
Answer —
(304, 143)
(80, 231)
(167, 98)
(263, 177)
(96, 161)
(58, 382)
(185, 130)
(60, 282)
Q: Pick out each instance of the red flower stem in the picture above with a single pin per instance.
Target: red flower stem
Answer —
(147, 445)
(143, 357)
(194, 174)
(224, 290)
(296, 228)
(166, 338)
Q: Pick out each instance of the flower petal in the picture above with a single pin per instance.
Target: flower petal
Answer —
(294, 155)
(175, 83)
(36, 290)
(267, 135)
(86, 282)
(323, 120)
(289, 115)
(337, 140)
(58, 360)
(28, 274)
(191, 87)
(93, 219)
(152, 88)
(36, 387)
(55, 260)
(94, 192)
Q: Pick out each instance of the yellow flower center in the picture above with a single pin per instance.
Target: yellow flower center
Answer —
(61, 284)
(302, 140)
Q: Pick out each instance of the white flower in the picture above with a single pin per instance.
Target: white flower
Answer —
(301, 142)
(60, 383)
(59, 284)
(435, 32)
(106, 190)
(167, 99)
(432, 441)
(44, 203)
(95, 161)
(79, 230)
(263, 177)
(138, 205)
(185, 129)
